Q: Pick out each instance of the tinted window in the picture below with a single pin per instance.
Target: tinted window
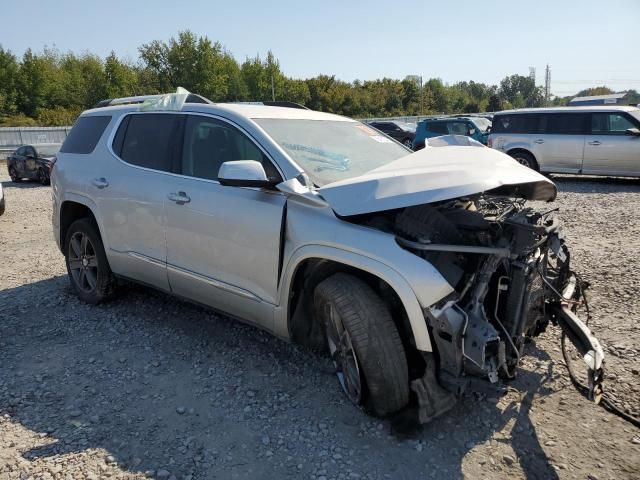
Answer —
(149, 140)
(208, 143)
(563, 123)
(458, 128)
(20, 151)
(519, 123)
(438, 127)
(29, 151)
(85, 134)
(610, 124)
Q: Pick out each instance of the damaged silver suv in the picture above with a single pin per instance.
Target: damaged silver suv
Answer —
(413, 270)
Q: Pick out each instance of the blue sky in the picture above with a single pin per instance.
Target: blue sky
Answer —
(586, 43)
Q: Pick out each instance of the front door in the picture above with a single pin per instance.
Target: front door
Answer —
(609, 149)
(30, 164)
(223, 242)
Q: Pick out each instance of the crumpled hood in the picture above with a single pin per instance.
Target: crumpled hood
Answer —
(436, 174)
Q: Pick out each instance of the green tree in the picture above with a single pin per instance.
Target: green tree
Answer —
(521, 91)
(8, 82)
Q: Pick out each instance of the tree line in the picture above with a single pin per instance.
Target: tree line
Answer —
(52, 88)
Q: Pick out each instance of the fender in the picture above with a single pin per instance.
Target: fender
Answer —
(374, 267)
(82, 200)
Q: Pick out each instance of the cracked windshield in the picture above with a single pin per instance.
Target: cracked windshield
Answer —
(330, 151)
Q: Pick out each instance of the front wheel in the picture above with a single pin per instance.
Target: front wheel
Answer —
(87, 265)
(364, 344)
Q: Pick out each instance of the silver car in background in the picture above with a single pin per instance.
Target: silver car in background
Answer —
(597, 140)
(413, 270)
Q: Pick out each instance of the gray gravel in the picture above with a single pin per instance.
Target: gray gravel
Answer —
(151, 386)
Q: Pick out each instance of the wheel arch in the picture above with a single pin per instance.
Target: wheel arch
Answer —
(72, 209)
(311, 264)
(515, 150)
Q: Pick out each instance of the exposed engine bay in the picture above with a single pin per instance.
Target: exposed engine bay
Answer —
(510, 269)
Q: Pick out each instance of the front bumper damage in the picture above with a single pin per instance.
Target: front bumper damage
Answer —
(518, 287)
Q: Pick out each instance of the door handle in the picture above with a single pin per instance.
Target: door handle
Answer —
(179, 197)
(100, 182)
(595, 142)
(539, 141)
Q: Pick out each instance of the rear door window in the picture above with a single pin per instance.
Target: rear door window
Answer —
(438, 127)
(564, 123)
(85, 134)
(610, 124)
(149, 140)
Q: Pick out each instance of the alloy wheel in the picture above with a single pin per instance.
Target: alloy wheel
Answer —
(343, 355)
(523, 161)
(83, 262)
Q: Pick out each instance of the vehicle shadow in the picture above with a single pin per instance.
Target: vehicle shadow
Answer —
(162, 384)
(24, 184)
(587, 184)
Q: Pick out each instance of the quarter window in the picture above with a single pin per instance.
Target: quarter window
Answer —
(610, 124)
(147, 140)
(208, 143)
(85, 134)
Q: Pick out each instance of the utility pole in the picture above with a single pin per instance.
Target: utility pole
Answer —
(547, 86)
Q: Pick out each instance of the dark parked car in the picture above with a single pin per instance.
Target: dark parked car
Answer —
(399, 131)
(32, 162)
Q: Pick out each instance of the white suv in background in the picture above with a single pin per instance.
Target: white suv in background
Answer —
(585, 140)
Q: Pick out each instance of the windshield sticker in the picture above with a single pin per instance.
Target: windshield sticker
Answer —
(380, 139)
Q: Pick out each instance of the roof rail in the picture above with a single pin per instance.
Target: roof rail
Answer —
(191, 98)
(274, 103)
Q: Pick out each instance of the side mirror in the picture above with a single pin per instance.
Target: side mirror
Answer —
(472, 131)
(633, 131)
(244, 173)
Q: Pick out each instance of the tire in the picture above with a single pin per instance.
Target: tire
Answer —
(92, 280)
(43, 178)
(526, 159)
(408, 143)
(2, 205)
(14, 175)
(375, 344)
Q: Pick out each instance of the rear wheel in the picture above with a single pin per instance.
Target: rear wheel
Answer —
(14, 175)
(87, 265)
(526, 159)
(364, 344)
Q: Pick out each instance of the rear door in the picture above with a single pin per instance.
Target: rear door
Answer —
(559, 147)
(131, 191)
(609, 149)
(223, 242)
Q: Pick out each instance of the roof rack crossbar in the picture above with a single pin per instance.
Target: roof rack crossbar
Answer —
(110, 102)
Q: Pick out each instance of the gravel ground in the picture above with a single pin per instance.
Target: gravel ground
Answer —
(151, 386)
